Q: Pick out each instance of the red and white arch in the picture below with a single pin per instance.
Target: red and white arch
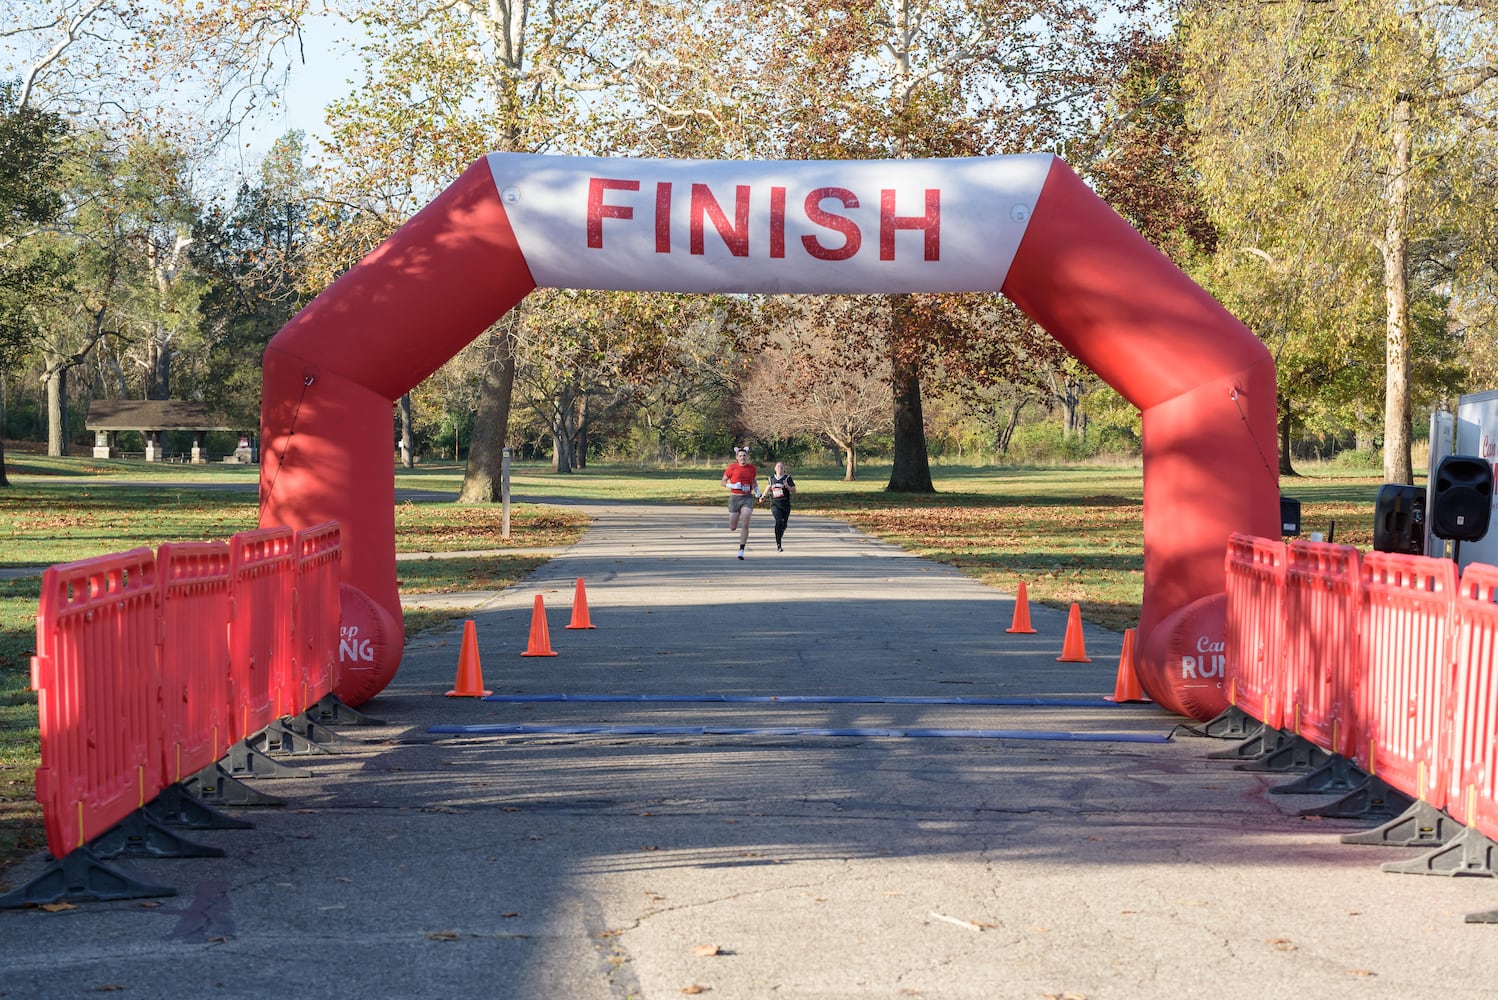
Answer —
(1025, 226)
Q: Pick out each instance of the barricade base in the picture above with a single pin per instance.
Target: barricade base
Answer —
(1421, 825)
(1296, 756)
(1337, 775)
(1375, 799)
(175, 806)
(215, 785)
(280, 740)
(331, 710)
(81, 877)
(140, 836)
(1469, 853)
(1232, 723)
(317, 733)
(1266, 740)
(244, 761)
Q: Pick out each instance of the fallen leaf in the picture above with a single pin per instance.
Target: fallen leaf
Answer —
(1280, 944)
(705, 950)
(694, 989)
(510, 914)
(57, 907)
(1361, 972)
(440, 935)
(109, 988)
(650, 847)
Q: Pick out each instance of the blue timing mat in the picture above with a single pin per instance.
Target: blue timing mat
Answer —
(808, 699)
(504, 729)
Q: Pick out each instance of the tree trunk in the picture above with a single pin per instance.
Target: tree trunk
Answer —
(3, 480)
(1286, 469)
(911, 469)
(1395, 249)
(158, 369)
(563, 426)
(850, 464)
(481, 478)
(57, 412)
(580, 438)
(408, 456)
(1006, 433)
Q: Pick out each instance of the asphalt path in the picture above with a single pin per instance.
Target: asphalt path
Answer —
(815, 848)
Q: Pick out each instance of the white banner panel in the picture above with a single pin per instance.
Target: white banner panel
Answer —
(859, 226)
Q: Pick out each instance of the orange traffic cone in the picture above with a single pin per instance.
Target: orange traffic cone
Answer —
(580, 608)
(1126, 687)
(470, 682)
(1021, 611)
(1073, 650)
(540, 644)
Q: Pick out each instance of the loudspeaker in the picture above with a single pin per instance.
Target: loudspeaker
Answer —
(1289, 516)
(1399, 520)
(1461, 498)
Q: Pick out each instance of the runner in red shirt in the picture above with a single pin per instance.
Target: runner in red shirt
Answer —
(743, 490)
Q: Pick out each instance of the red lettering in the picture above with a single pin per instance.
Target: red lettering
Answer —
(736, 236)
(852, 238)
(889, 222)
(598, 211)
(663, 217)
(777, 222)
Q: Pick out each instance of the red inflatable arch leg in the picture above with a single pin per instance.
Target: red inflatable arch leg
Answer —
(1206, 388)
(332, 374)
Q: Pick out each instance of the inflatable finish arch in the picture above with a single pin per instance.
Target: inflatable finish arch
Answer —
(1023, 225)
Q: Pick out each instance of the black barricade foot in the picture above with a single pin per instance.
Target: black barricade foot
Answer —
(215, 785)
(332, 711)
(279, 740)
(1375, 799)
(175, 806)
(1421, 825)
(1485, 917)
(1266, 740)
(245, 761)
(81, 877)
(1338, 774)
(1467, 853)
(1296, 755)
(140, 836)
(317, 733)
(1230, 724)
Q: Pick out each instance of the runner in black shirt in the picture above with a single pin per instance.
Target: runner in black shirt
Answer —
(782, 488)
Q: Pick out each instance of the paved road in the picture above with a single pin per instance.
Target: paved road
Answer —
(783, 863)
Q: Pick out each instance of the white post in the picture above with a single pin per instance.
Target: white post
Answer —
(504, 490)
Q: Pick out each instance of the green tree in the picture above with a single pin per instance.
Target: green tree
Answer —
(31, 150)
(1332, 132)
(253, 257)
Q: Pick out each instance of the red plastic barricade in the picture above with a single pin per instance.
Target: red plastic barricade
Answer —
(1473, 794)
(1255, 625)
(194, 580)
(319, 550)
(260, 646)
(1408, 663)
(96, 680)
(1323, 604)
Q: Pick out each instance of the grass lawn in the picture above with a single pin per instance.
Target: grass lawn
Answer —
(1072, 534)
